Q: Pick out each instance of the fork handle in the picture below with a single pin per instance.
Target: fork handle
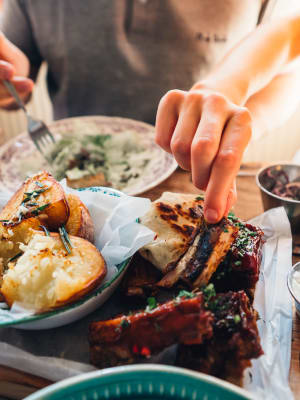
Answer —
(12, 90)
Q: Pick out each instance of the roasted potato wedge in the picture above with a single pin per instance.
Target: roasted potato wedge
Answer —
(40, 196)
(46, 276)
(11, 237)
(80, 222)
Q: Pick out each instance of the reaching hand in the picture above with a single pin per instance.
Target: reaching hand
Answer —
(207, 134)
(14, 66)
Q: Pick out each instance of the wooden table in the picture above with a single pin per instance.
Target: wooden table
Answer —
(248, 205)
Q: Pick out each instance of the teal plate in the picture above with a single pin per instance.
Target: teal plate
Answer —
(74, 311)
(142, 381)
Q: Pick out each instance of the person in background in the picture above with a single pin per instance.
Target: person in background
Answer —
(121, 57)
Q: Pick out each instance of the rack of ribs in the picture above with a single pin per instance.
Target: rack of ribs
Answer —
(235, 340)
(128, 339)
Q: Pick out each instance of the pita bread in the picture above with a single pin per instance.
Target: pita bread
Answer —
(175, 218)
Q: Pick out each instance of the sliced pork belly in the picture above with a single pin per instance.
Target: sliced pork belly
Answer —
(208, 250)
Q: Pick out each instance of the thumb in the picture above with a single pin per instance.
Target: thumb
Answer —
(14, 56)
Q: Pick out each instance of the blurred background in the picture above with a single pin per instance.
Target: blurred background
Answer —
(272, 147)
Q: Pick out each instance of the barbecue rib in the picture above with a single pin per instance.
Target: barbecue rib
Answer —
(128, 339)
(234, 343)
(240, 268)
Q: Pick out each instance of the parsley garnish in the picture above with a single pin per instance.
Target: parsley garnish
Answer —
(124, 323)
(186, 294)
(151, 304)
(237, 318)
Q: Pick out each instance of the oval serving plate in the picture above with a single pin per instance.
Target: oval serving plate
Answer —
(142, 381)
(80, 308)
(19, 157)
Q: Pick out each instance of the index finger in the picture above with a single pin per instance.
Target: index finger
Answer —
(6, 70)
(226, 165)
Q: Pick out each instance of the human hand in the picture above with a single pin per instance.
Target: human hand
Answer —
(207, 134)
(14, 66)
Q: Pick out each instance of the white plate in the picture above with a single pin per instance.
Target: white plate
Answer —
(19, 156)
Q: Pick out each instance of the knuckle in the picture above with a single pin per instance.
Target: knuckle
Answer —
(216, 100)
(193, 98)
(243, 116)
(204, 144)
(180, 147)
(173, 96)
(226, 159)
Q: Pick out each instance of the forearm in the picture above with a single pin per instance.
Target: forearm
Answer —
(274, 104)
(256, 60)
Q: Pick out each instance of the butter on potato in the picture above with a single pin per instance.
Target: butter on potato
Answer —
(46, 276)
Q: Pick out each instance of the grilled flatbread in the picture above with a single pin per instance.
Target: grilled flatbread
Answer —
(175, 218)
(185, 246)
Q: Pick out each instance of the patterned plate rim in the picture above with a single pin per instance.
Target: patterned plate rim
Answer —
(150, 186)
(141, 369)
(121, 267)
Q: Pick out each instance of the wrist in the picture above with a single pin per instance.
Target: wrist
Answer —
(237, 93)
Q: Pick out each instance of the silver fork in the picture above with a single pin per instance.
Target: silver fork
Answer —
(38, 130)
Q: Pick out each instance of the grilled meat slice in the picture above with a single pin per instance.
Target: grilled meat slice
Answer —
(234, 343)
(240, 268)
(204, 255)
(127, 339)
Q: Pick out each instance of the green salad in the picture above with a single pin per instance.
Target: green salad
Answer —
(121, 158)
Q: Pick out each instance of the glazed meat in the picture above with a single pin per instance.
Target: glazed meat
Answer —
(208, 250)
(140, 278)
(240, 268)
(235, 340)
(128, 339)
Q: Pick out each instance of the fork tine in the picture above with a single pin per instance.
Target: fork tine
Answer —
(50, 135)
(36, 142)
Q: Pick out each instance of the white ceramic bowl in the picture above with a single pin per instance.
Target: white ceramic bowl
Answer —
(72, 312)
(290, 276)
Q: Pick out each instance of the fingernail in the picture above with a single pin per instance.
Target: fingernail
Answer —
(211, 216)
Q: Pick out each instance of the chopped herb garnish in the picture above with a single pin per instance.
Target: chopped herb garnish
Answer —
(39, 209)
(237, 318)
(15, 257)
(151, 304)
(66, 235)
(124, 323)
(200, 197)
(225, 229)
(4, 220)
(237, 263)
(209, 292)
(65, 239)
(186, 294)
